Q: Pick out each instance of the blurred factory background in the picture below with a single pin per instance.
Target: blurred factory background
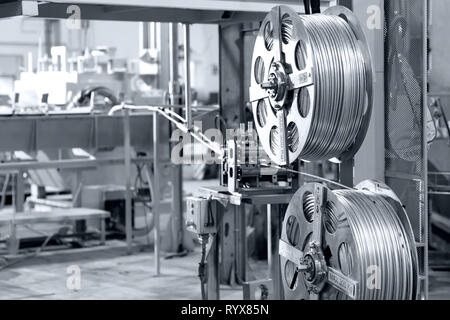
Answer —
(96, 97)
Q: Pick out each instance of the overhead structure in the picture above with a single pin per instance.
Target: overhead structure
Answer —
(348, 244)
(200, 11)
(311, 85)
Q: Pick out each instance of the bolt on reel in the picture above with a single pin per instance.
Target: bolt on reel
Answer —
(311, 85)
(348, 244)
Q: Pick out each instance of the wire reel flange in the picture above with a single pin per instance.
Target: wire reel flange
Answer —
(283, 85)
(332, 240)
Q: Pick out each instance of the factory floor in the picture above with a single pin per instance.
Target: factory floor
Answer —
(108, 272)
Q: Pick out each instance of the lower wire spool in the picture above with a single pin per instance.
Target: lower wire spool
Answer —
(348, 244)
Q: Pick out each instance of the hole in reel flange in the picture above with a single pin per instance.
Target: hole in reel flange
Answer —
(274, 140)
(287, 28)
(300, 55)
(303, 102)
(261, 111)
(308, 206)
(345, 259)
(293, 137)
(330, 218)
(293, 231)
(260, 70)
(268, 35)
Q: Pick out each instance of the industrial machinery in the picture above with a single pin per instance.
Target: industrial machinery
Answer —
(311, 93)
(311, 96)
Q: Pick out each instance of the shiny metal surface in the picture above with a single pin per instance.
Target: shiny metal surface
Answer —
(367, 245)
(311, 85)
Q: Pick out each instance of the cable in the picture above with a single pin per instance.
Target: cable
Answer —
(178, 121)
(146, 202)
(210, 222)
(202, 267)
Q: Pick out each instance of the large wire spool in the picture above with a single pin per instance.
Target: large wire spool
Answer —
(349, 244)
(311, 85)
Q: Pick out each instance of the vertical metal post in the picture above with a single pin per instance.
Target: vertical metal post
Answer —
(213, 285)
(276, 265)
(228, 250)
(19, 191)
(187, 75)
(77, 201)
(102, 231)
(426, 8)
(173, 62)
(346, 173)
(269, 237)
(243, 242)
(232, 57)
(128, 198)
(156, 192)
(231, 61)
(370, 160)
(213, 269)
(177, 172)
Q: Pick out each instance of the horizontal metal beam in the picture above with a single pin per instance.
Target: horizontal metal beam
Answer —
(18, 8)
(71, 164)
(204, 5)
(32, 133)
(199, 11)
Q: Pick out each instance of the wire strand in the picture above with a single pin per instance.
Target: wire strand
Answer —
(339, 75)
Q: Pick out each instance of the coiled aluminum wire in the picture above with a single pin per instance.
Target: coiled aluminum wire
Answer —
(365, 236)
(382, 246)
(323, 64)
(340, 78)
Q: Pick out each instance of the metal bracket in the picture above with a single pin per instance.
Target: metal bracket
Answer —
(290, 253)
(320, 198)
(342, 283)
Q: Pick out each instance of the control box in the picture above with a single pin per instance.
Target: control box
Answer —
(201, 215)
